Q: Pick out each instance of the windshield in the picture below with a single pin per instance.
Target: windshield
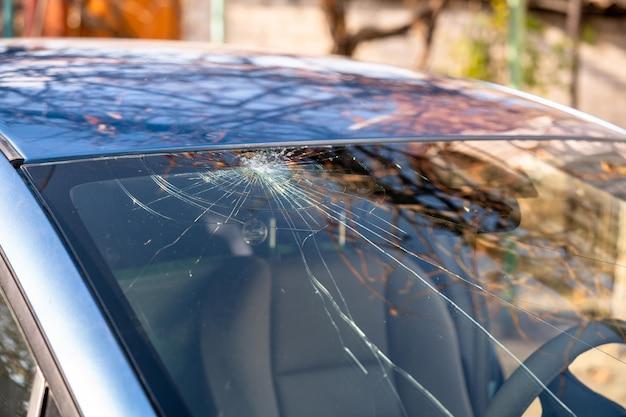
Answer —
(410, 279)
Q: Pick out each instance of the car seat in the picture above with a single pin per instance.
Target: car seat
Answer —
(342, 333)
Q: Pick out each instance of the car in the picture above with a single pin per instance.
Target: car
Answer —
(189, 231)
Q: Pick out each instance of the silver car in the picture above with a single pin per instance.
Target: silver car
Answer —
(191, 232)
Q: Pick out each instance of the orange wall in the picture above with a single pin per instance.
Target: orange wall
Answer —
(156, 19)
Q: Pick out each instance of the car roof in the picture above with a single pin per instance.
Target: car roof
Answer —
(62, 99)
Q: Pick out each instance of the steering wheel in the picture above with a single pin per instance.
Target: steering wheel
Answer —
(551, 360)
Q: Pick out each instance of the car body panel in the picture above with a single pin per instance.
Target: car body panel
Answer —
(66, 100)
(92, 361)
(69, 99)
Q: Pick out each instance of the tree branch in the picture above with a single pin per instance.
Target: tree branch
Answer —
(345, 43)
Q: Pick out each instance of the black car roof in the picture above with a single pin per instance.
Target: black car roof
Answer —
(67, 99)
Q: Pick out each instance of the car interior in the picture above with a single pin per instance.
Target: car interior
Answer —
(325, 323)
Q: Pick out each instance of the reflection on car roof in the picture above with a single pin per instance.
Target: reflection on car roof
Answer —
(62, 100)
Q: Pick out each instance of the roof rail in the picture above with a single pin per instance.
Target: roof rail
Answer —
(10, 152)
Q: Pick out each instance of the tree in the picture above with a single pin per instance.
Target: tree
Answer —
(425, 16)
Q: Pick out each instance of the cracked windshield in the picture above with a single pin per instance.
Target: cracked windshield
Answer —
(483, 278)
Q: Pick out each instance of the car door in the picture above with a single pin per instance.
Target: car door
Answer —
(84, 368)
(30, 382)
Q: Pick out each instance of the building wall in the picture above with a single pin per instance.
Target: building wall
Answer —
(299, 27)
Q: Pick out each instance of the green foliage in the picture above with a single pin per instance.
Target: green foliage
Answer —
(499, 15)
(482, 54)
(478, 63)
(588, 34)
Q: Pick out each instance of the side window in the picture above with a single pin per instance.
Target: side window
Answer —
(17, 366)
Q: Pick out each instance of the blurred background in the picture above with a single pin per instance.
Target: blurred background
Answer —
(571, 51)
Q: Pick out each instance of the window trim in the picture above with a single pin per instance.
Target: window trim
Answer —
(91, 362)
(48, 371)
(37, 395)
